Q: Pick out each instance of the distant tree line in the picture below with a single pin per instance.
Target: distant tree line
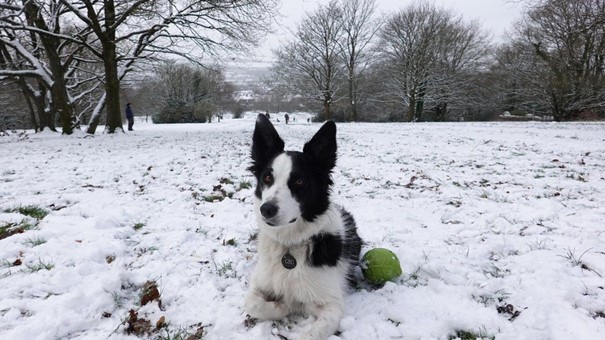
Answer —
(69, 59)
(427, 63)
(67, 63)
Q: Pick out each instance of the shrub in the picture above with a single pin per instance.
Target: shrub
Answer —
(179, 111)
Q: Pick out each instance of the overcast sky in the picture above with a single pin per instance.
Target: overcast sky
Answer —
(495, 15)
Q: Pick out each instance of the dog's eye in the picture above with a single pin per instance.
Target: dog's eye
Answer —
(267, 179)
(299, 182)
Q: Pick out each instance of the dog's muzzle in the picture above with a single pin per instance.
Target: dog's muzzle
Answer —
(269, 212)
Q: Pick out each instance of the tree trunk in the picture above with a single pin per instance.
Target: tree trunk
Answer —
(412, 106)
(110, 62)
(440, 112)
(411, 111)
(420, 101)
(62, 106)
(112, 89)
(557, 113)
(58, 90)
(327, 110)
(352, 92)
(28, 96)
(327, 106)
(96, 115)
(419, 107)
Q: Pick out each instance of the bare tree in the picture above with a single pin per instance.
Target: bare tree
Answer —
(519, 80)
(568, 39)
(310, 64)
(427, 51)
(10, 72)
(359, 28)
(31, 32)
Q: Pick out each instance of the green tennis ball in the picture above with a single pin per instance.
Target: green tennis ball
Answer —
(380, 265)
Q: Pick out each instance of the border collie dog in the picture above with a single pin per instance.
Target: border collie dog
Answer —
(307, 246)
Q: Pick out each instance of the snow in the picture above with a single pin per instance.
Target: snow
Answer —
(481, 215)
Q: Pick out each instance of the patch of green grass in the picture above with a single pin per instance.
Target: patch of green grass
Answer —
(33, 211)
(35, 267)
(492, 298)
(144, 250)
(230, 242)
(471, 335)
(34, 241)
(29, 210)
(492, 270)
(538, 245)
(226, 269)
(173, 334)
(213, 198)
(575, 259)
(118, 299)
(180, 333)
(253, 236)
(244, 185)
(138, 226)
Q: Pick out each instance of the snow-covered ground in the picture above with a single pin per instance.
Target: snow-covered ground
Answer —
(499, 228)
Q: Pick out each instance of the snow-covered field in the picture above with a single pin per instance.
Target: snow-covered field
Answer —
(500, 229)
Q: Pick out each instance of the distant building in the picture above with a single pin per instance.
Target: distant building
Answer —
(245, 96)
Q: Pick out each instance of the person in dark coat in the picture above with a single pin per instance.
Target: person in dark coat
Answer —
(129, 116)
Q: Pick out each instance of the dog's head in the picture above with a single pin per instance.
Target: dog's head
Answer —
(292, 185)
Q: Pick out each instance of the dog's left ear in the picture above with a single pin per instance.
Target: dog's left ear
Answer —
(266, 144)
(322, 147)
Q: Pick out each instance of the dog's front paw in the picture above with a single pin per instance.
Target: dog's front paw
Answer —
(257, 307)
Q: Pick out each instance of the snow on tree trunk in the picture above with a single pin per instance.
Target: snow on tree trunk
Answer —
(96, 116)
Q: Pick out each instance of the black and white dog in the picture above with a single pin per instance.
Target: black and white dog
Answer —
(307, 246)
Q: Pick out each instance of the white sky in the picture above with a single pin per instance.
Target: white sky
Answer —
(496, 16)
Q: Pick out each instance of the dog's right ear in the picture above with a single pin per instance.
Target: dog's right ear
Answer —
(266, 144)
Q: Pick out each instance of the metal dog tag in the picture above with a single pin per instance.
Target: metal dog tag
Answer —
(288, 261)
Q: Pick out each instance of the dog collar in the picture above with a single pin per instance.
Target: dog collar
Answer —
(288, 261)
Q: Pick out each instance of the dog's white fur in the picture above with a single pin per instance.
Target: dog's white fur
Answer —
(276, 291)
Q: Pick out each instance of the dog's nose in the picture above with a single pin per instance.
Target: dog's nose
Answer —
(268, 210)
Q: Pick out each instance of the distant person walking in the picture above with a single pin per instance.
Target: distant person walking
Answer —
(287, 118)
(129, 116)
